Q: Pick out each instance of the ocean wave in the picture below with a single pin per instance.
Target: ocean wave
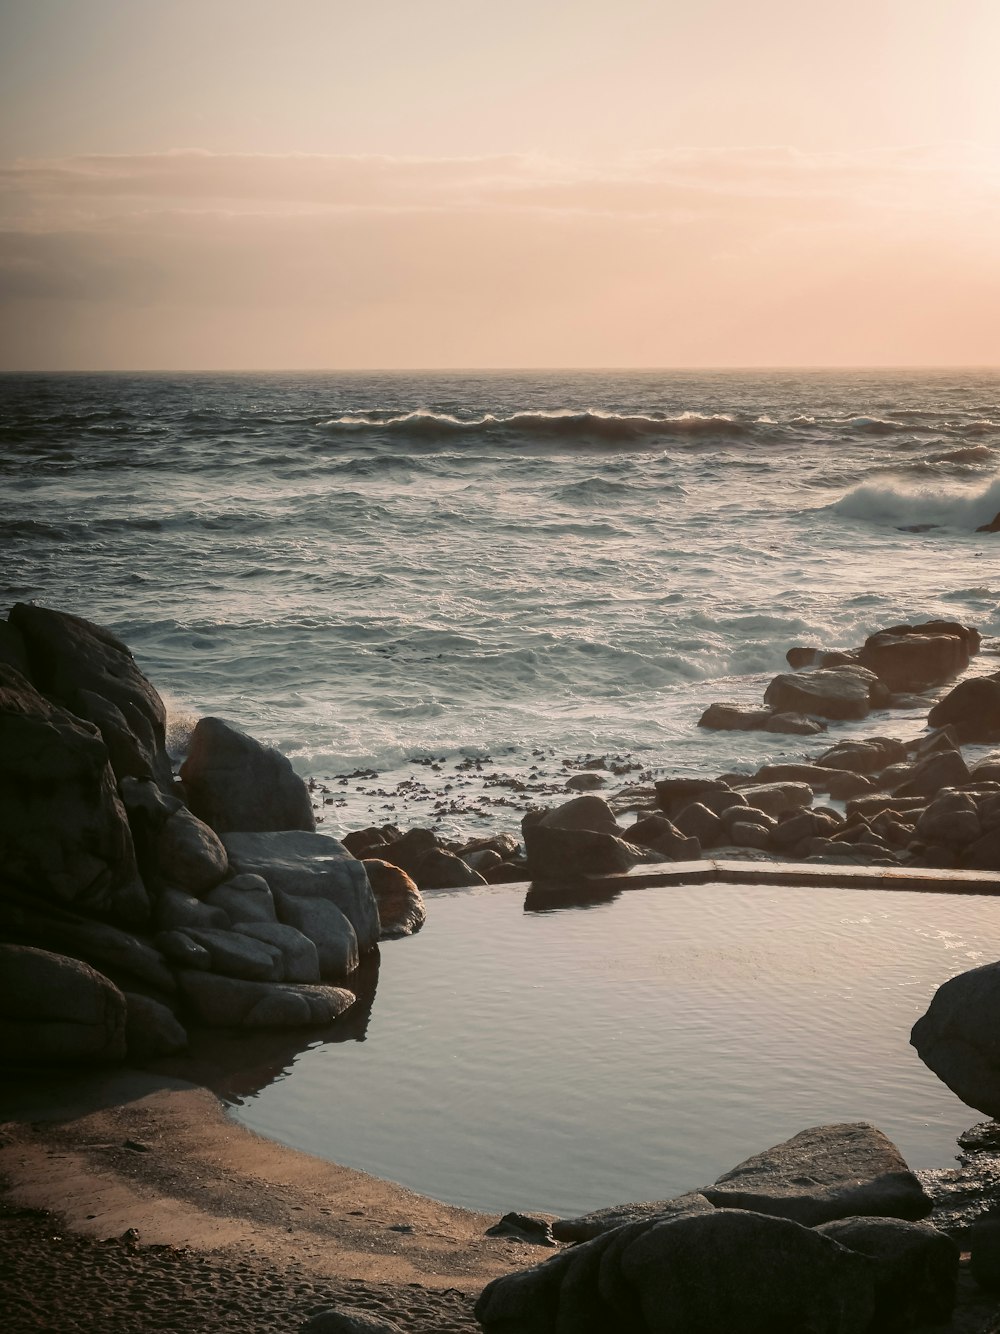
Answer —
(548, 425)
(906, 507)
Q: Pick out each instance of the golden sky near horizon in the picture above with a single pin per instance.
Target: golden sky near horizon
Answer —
(213, 184)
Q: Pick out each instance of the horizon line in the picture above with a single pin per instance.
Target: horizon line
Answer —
(502, 369)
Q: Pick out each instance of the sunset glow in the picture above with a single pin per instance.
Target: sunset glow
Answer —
(234, 185)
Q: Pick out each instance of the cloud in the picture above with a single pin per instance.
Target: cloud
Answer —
(682, 256)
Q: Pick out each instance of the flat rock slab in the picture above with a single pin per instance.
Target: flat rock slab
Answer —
(587, 1226)
(824, 1173)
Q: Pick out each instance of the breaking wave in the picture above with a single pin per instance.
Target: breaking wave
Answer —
(918, 507)
(549, 425)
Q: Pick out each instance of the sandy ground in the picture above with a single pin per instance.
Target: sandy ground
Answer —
(139, 1205)
(144, 1207)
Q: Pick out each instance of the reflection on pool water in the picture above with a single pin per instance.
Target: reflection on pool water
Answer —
(634, 1049)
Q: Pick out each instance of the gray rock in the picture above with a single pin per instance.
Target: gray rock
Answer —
(673, 794)
(701, 1272)
(236, 784)
(733, 718)
(179, 948)
(401, 907)
(743, 834)
(55, 1009)
(309, 866)
(299, 955)
(824, 1173)
(868, 756)
(587, 782)
(227, 1002)
(916, 1279)
(244, 898)
(697, 821)
(328, 928)
(63, 830)
(151, 1029)
(587, 1226)
(188, 854)
(951, 818)
(794, 724)
(959, 1037)
(90, 671)
(173, 910)
(236, 955)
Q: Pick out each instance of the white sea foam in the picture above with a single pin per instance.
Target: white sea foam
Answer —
(898, 505)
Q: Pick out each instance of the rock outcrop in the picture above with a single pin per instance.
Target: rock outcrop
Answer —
(235, 784)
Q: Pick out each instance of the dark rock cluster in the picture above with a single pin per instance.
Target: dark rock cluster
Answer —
(133, 904)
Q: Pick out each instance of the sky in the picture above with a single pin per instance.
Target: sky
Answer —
(233, 184)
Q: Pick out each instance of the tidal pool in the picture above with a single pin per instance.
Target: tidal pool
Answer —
(634, 1049)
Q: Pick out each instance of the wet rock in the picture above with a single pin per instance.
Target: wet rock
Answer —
(794, 724)
(401, 908)
(151, 1028)
(775, 799)
(815, 777)
(227, 1002)
(846, 786)
(235, 784)
(916, 1279)
(823, 1173)
(587, 782)
(587, 1226)
(89, 671)
(992, 527)
(869, 756)
(409, 849)
(64, 832)
(57, 1009)
(440, 869)
(838, 693)
(732, 718)
(673, 794)
(694, 1272)
(946, 768)
(916, 657)
(697, 821)
(13, 652)
(587, 813)
(959, 1037)
(971, 710)
(568, 854)
(180, 949)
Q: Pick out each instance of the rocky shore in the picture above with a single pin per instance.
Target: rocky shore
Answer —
(139, 907)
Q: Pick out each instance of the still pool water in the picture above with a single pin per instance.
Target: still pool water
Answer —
(634, 1049)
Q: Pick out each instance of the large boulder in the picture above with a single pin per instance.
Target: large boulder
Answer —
(824, 1173)
(916, 1279)
(868, 756)
(721, 1272)
(151, 1029)
(401, 907)
(916, 657)
(959, 1037)
(188, 855)
(234, 783)
(299, 954)
(587, 812)
(305, 866)
(63, 831)
(226, 1002)
(91, 672)
(972, 709)
(54, 1009)
(838, 693)
(569, 854)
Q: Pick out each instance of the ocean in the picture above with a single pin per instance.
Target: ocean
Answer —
(439, 593)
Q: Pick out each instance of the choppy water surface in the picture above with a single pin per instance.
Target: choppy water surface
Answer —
(566, 1060)
(368, 569)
